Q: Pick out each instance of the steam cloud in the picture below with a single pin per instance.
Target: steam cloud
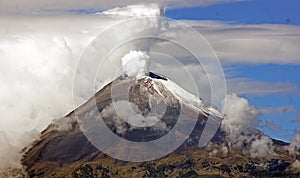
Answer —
(135, 64)
(294, 145)
(239, 124)
(240, 117)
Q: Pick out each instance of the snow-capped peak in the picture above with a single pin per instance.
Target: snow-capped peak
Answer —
(186, 97)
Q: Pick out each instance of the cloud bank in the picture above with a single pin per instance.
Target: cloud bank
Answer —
(37, 62)
(260, 88)
(251, 43)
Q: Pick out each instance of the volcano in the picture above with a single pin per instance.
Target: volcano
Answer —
(67, 148)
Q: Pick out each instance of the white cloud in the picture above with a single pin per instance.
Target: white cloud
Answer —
(261, 147)
(239, 124)
(279, 110)
(11, 144)
(253, 87)
(294, 145)
(11, 152)
(252, 43)
(135, 64)
(135, 10)
(37, 62)
(240, 116)
(50, 6)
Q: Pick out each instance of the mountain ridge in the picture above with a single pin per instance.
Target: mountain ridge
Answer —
(64, 151)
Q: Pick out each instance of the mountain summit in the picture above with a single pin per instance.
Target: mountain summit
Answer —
(142, 110)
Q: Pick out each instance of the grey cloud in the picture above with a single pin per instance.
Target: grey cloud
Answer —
(252, 43)
(245, 44)
(297, 120)
(279, 110)
(272, 125)
(253, 87)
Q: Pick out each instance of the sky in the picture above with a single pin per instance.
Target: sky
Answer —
(260, 12)
(245, 12)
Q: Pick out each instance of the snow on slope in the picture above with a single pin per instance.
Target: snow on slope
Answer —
(187, 98)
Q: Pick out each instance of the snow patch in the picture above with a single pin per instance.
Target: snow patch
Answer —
(189, 99)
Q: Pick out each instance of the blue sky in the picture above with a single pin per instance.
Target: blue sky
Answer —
(245, 12)
(260, 12)
(275, 73)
